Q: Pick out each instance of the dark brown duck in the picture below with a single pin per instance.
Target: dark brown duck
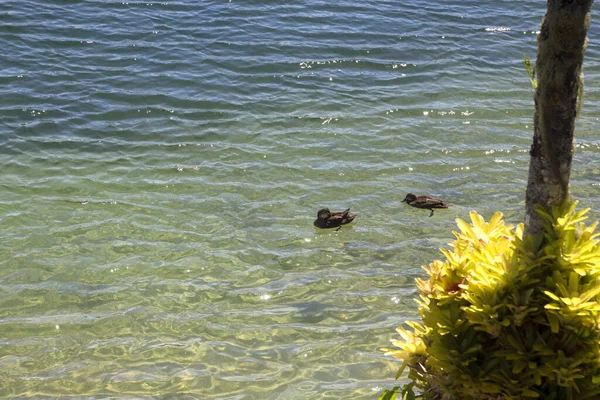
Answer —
(427, 202)
(329, 219)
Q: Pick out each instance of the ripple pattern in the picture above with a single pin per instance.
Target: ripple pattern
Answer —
(162, 163)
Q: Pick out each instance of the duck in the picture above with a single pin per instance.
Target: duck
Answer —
(328, 219)
(427, 202)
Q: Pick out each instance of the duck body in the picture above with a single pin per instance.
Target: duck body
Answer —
(328, 219)
(427, 202)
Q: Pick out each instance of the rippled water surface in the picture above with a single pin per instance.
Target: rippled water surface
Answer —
(162, 163)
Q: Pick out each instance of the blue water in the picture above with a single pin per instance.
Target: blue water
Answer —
(162, 163)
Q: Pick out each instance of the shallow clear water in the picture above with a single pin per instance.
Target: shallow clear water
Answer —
(162, 163)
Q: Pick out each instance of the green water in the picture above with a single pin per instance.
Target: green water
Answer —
(162, 164)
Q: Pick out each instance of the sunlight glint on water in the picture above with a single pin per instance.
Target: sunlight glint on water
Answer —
(162, 163)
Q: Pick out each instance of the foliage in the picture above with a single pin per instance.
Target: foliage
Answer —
(407, 393)
(530, 71)
(501, 321)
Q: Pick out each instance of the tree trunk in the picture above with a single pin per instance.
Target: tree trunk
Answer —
(558, 95)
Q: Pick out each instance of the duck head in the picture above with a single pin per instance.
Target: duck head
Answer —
(323, 213)
(409, 198)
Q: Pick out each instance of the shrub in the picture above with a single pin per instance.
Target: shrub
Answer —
(503, 321)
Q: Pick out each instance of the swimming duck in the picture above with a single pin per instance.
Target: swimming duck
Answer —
(328, 219)
(427, 202)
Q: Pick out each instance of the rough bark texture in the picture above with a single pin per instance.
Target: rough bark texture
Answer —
(561, 44)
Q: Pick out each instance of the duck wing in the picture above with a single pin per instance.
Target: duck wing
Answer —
(338, 215)
(429, 202)
(437, 203)
(340, 218)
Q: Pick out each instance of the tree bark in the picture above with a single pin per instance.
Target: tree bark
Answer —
(558, 95)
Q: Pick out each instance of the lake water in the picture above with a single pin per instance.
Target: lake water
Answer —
(162, 163)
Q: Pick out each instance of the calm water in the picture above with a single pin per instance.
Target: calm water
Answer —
(162, 162)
